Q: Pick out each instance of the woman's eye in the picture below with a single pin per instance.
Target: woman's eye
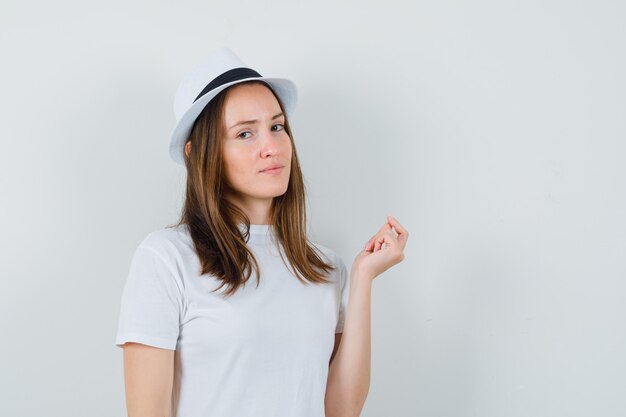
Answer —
(243, 133)
(278, 124)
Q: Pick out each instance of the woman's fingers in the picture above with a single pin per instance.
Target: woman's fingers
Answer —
(395, 231)
(389, 241)
(392, 248)
(372, 241)
(403, 234)
(396, 225)
(387, 238)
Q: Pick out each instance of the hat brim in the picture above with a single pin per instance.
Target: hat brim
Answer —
(285, 89)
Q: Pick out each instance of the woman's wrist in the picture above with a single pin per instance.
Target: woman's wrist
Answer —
(359, 279)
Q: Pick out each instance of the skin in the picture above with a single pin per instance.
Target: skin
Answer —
(252, 147)
(247, 150)
(349, 371)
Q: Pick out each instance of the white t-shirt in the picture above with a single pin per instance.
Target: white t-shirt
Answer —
(262, 352)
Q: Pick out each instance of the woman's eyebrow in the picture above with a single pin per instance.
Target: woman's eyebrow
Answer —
(248, 122)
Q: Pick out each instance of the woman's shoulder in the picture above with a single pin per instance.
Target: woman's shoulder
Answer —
(168, 240)
(329, 253)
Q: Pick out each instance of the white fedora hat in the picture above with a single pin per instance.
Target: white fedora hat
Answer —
(218, 71)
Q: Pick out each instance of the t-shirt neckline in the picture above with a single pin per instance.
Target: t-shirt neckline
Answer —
(257, 228)
(260, 234)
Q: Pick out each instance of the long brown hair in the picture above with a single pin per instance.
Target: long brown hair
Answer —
(212, 219)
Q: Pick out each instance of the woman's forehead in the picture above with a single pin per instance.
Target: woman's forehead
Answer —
(245, 102)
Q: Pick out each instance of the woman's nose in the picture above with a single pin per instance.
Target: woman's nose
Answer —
(269, 140)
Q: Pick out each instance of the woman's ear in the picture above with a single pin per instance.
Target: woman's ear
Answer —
(187, 148)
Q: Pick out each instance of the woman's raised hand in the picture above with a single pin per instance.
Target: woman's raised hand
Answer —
(383, 250)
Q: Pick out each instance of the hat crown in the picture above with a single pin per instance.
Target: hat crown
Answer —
(212, 66)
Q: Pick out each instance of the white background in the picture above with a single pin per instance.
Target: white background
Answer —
(493, 130)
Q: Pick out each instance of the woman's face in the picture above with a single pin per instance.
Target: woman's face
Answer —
(255, 138)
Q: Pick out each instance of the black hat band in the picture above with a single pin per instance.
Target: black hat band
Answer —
(227, 77)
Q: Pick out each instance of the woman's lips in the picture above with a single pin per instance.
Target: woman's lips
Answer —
(274, 171)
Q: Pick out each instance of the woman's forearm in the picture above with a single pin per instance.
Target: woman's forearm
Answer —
(349, 372)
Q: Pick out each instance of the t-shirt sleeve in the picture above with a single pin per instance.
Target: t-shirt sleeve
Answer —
(151, 302)
(345, 292)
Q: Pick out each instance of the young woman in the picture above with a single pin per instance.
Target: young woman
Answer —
(202, 339)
